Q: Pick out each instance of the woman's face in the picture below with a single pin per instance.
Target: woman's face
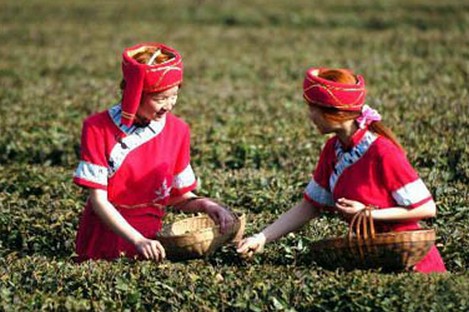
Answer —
(153, 106)
(316, 116)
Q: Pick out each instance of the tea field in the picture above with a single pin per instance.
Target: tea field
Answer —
(253, 147)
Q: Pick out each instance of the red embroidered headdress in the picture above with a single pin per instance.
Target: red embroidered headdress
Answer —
(327, 93)
(147, 78)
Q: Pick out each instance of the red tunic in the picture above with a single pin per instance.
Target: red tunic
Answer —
(375, 172)
(140, 168)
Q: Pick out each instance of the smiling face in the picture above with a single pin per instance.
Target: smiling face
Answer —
(153, 106)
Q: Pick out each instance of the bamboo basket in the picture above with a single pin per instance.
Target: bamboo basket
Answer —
(197, 237)
(362, 248)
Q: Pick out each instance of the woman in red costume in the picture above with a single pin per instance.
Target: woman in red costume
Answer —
(362, 165)
(135, 160)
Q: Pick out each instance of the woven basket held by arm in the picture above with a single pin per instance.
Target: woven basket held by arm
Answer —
(365, 249)
(197, 237)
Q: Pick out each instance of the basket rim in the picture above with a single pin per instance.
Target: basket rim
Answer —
(214, 228)
(378, 240)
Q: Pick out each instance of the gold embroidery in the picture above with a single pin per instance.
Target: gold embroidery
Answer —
(127, 115)
(328, 90)
(150, 204)
(315, 83)
(175, 65)
(156, 86)
(165, 87)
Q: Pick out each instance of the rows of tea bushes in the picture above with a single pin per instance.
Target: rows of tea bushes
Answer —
(38, 282)
(253, 147)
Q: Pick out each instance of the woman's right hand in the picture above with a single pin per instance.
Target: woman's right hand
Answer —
(254, 244)
(151, 249)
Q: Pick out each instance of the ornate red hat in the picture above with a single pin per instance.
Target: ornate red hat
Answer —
(327, 93)
(147, 78)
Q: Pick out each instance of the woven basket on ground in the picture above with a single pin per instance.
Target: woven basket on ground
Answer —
(365, 249)
(197, 237)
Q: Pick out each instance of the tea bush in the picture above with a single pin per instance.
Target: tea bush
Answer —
(253, 147)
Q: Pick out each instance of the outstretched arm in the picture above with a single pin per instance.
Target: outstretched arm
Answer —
(150, 249)
(290, 221)
(426, 210)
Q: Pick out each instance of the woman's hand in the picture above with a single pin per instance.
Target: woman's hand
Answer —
(348, 207)
(222, 216)
(254, 244)
(189, 202)
(151, 249)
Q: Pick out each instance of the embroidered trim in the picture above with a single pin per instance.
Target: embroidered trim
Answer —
(163, 191)
(329, 87)
(411, 193)
(136, 137)
(160, 68)
(116, 112)
(185, 178)
(319, 194)
(164, 87)
(331, 94)
(346, 159)
(342, 106)
(91, 172)
(127, 115)
(156, 87)
(143, 205)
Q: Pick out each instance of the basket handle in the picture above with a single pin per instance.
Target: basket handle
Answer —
(362, 225)
(371, 222)
(352, 225)
(362, 222)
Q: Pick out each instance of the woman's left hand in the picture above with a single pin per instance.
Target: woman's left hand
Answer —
(349, 207)
(218, 213)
